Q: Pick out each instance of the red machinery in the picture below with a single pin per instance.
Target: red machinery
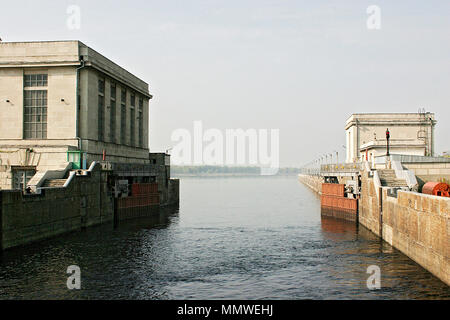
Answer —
(436, 189)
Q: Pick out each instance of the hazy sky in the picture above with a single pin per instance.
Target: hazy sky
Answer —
(299, 66)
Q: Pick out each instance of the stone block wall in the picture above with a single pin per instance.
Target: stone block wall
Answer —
(369, 206)
(419, 226)
(416, 224)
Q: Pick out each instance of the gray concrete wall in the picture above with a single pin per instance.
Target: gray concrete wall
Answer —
(26, 219)
(116, 152)
(61, 114)
(174, 192)
(165, 184)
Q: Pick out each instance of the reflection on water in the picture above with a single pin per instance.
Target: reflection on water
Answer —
(233, 238)
(360, 248)
(336, 228)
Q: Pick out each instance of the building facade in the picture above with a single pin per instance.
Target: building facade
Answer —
(64, 104)
(410, 134)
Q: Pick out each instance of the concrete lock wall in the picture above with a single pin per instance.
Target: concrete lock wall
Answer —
(416, 224)
(174, 192)
(29, 218)
(369, 206)
(313, 182)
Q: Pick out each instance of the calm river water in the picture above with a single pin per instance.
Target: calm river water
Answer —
(233, 238)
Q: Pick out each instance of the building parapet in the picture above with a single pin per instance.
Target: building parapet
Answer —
(382, 119)
(92, 58)
(65, 53)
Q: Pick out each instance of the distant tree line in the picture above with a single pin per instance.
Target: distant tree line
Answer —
(216, 170)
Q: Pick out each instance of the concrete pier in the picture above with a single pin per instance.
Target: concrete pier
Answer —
(332, 204)
(416, 224)
(87, 198)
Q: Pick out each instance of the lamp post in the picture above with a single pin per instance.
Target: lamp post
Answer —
(388, 136)
(345, 153)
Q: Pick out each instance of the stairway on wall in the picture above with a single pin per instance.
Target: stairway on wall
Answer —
(54, 183)
(61, 173)
(389, 179)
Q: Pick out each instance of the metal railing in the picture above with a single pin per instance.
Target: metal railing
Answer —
(411, 159)
(338, 168)
(341, 167)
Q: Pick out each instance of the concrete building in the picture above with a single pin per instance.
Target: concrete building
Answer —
(411, 134)
(64, 104)
(74, 149)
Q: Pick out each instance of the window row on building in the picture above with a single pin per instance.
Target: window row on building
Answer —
(36, 105)
(127, 124)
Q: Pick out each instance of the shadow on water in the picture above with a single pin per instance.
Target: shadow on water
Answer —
(103, 253)
(159, 218)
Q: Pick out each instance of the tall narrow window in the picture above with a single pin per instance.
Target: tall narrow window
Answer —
(141, 123)
(112, 115)
(123, 116)
(132, 120)
(101, 109)
(35, 107)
